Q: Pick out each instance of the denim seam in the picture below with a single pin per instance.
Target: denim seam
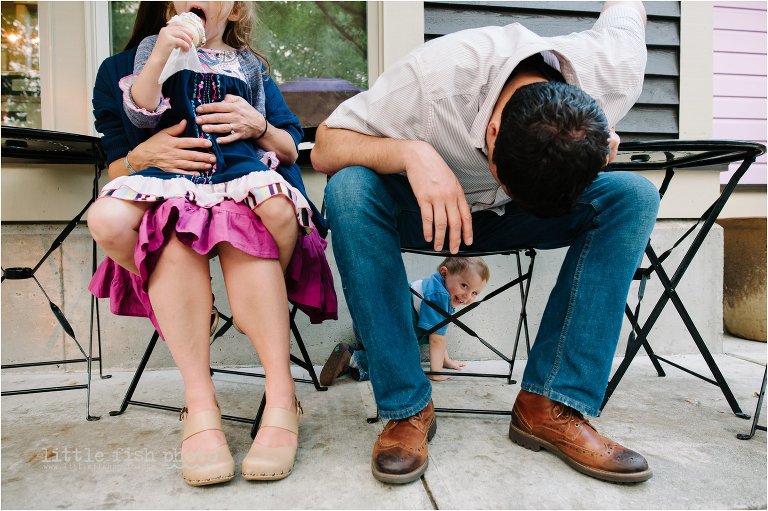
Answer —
(569, 312)
(402, 414)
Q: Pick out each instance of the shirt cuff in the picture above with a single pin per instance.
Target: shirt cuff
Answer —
(141, 117)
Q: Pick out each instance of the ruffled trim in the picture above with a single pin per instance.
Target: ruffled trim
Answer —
(140, 117)
(309, 280)
(251, 189)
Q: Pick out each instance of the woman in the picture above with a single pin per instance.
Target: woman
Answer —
(173, 288)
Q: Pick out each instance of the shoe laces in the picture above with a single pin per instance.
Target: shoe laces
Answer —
(414, 420)
(570, 414)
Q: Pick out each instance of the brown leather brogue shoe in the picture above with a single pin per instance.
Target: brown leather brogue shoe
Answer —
(541, 423)
(400, 453)
(336, 365)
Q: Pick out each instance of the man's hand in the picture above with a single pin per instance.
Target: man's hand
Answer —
(438, 192)
(440, 197)
(613, 146)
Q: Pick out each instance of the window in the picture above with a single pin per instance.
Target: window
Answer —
(121, 16)
(317, 51)
(20, 65)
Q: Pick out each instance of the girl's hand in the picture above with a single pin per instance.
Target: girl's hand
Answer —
(233, 117)
(169, 38)
(170, 152)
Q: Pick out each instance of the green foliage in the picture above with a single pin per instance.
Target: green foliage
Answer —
(314, 39)
(300, 39)
(122, 15)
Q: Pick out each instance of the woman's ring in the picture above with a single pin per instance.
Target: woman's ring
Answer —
(231, 130)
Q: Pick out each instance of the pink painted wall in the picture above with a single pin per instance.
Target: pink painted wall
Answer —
(739, 92)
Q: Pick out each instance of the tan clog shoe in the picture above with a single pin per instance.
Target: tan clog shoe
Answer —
(264, 463)
(200, 468)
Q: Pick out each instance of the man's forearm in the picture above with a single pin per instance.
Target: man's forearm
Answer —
(336, 149)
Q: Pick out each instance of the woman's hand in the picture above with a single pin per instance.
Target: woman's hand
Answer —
(170, 152)
(234, 118)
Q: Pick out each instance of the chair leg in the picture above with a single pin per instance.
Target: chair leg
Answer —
(307, 362)
(522, 323)
(257, 419)
(137, 375)
(758, 408)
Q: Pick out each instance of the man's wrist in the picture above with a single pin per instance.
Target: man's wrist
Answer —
(413, 151)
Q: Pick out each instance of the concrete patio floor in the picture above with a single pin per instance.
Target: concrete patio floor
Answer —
(53, 458)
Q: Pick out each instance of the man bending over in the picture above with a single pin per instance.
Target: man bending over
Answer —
(494, 138)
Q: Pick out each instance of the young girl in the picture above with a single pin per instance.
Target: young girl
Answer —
(244, 155)
(167, 247)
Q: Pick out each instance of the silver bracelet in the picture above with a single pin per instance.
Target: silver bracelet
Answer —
(128, 165)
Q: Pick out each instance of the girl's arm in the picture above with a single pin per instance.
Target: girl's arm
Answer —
(145, 91)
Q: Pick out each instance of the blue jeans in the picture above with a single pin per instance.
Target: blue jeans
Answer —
(372, 216)
(360, 356)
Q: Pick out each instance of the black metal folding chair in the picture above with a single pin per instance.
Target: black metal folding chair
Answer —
(672, 155)
(305, 363)
(27, 146)
(758, 408)
(523, 280)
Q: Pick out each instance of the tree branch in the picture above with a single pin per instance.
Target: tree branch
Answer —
(340, 29)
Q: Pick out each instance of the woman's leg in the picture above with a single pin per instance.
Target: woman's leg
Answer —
(257, 296)
(114, 224)
(180, 292)
(278, 214)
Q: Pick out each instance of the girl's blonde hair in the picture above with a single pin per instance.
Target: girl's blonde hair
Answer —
(459, 264)
(237, 33)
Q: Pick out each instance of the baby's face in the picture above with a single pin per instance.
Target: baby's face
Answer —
(463, 287)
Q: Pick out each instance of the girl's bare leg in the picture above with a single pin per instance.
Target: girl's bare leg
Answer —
(114, 224)
(278, 215)
(257, 296)
(180, 292)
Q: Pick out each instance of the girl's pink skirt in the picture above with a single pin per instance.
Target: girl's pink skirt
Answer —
(308, 279)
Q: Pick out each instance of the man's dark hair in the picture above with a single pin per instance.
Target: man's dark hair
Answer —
(552, 142)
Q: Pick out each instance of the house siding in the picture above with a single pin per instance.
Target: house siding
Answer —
(655, 115)
(739, 87)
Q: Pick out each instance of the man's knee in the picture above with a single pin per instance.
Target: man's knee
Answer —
(634, 191)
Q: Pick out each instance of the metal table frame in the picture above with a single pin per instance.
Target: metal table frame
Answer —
(671, 155)
(23, 145)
